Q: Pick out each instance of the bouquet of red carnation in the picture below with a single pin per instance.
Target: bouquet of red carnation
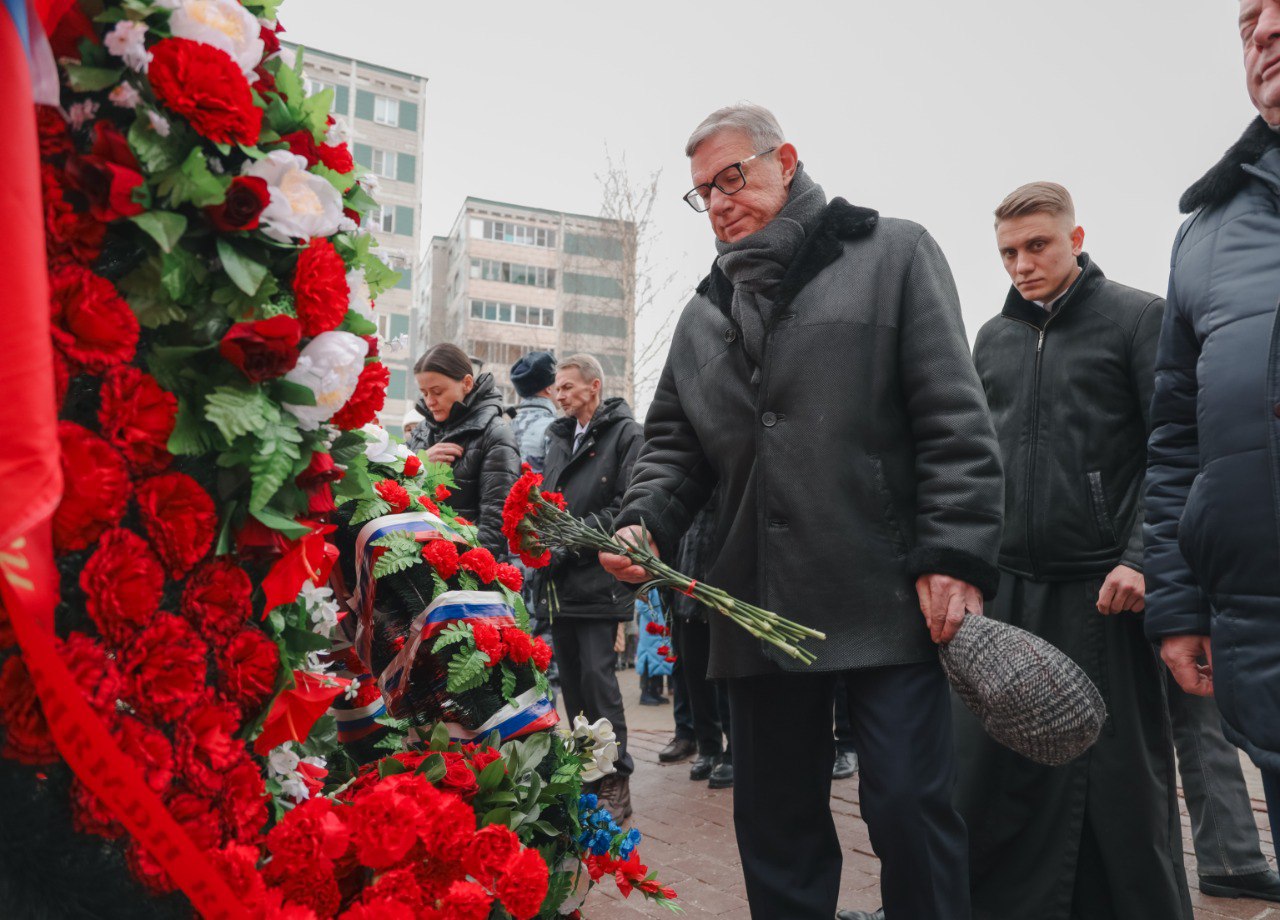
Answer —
(533, 521)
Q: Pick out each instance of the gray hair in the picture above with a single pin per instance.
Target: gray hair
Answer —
(755, 121)
(587, 366)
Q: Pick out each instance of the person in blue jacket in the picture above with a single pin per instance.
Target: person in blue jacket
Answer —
(652, 649)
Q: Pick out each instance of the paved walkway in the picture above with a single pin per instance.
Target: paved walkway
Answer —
(688, 837)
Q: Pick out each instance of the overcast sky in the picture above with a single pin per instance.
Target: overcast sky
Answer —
(929, 110)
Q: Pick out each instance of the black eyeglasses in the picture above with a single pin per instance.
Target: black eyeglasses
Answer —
(730, 180)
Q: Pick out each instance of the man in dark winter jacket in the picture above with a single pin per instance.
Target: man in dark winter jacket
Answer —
(533, 376)
(1213, 481)
(821, 378)
(590, 454)
(1067, 369)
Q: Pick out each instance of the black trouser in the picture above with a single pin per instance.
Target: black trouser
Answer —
(783, 750)
(844, 728)
(708, 701)
(588, 682)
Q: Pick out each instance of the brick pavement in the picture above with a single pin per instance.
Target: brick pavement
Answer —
(688, 837)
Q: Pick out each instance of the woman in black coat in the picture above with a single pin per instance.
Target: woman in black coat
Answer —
(464, 426)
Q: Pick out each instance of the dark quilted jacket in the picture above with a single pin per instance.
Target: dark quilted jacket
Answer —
(1213, 482)
(490, 462)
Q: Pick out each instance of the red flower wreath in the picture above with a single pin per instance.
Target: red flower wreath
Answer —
(137, 417)
(206, 87)
(95, 489)
(92, 324)
(368, 399)
(122, 584)
(180, 520)
(321, 294)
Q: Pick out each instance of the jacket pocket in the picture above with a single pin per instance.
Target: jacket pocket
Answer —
(888, 513)
(1101, 512)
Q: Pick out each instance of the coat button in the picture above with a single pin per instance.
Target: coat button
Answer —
(769, 419)
(730, 334)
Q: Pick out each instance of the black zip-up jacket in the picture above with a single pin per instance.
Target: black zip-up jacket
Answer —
(490, 461)
(593, 479)
(1070, 395)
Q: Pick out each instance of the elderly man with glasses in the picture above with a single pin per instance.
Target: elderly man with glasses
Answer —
(820, 377)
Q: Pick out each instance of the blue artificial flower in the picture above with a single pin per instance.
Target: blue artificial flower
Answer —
(587, 802)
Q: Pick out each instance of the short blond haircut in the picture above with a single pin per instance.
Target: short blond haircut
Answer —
(1038, 198)
(587, 366)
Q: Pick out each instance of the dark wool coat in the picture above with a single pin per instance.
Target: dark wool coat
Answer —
(490, 462)
(1213, 483)
(862, 459)
(592, 479)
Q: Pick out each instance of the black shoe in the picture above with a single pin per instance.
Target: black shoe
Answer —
(722, 773)
(652, 699)
(877, 914)
(615, 794)
(845, 766)
(702, 768)
(679, 749)
(1264, 885)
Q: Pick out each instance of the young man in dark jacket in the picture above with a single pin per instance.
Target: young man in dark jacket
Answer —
(1213, 484)
(1067, 369)
(590, 453)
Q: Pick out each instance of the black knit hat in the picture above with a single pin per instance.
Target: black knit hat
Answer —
(533, 373)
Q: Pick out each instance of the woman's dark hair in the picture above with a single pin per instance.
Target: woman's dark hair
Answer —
(445, 358)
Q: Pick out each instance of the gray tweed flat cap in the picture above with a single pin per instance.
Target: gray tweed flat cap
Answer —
(1028, 695)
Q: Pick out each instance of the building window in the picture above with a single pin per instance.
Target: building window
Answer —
(592, 285)
(385, 218)
(315, 87)
(494, 312)
(505, 231)
(595, 324)
(386, 111)
(513, 273)
(383, 162)
(591, 246)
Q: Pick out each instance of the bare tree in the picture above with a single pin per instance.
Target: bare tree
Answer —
(627, 201)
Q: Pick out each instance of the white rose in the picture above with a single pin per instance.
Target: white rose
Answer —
(125, 96)
(378, 450)
(302, 204)
(225, 25)
(126, 40)
(359, 289)
(329, 367)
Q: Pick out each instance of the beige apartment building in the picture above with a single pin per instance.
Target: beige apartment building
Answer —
(509, 279)
(382, 111)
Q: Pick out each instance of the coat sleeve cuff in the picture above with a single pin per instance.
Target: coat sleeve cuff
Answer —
(633, 516)
(937, 560)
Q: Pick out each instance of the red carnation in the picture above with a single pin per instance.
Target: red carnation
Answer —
(443, 556)
(264, 349)
(180, 520)
(309, 885)
(109, 176)
(664, 650)
(243, 802)
(480, 561)
(510, 577)
(92, 324)
(207, 88)
(248, 669)
(337, 157)
(302, 143)
(216, 600)
(90, 816)
(55, 140)
(384, 825)
(321, 294)
(320, 469)
(442, 493)
(137, 417)
(122, 584)
(523, 886)
(192, 812)
(491, 849)
(94, 671)
(95, 488)
(489, 641)
(270, 42)
(247, 197)
(466, 901)
(238, 865)
(393, 494)
(147, 747)
(428, 505)
(27, 739)
(412, 466)
(311, 832)
(541, 654)
(205, 747)
(164, 669)
(519, 644)
(368, 399)
(68, 233)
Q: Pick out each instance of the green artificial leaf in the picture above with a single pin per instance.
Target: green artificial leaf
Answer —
(491, 777)
(279, 118)
(541, 683)
(508, 683)
(402, 552)
(536, 748)
(157, 154)
(492, 740)
(315, 113)
(438, 584)
(350, 444)
(181, 273)
(340, 181)
(433, 768)
(359, 199)
(356, 324)
(294, 393)
(171, 364)
(304, 640)
(273, 465)
(192, 182)
(467, 582)
(368, 509)
(547, 830)
(378, 275)
(356, 484)
(452, 635)
(497, 815)
(439, 738)
(236, 411)
(522, 612)
(165, 227)
(247, 273)
(467, 670)
(389, 766)
(148, 297)
(437, 474)
(287, 526)
(190, 437)
(289, 81)
(253, 153)
(85, 79)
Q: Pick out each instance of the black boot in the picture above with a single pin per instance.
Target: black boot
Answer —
(722, 773)
(702, 767)
(1264, 885)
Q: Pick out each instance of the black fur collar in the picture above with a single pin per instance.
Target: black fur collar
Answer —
(1226, 178)
(840, 221)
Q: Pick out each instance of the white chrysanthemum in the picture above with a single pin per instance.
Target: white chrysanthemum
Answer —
(127, 41)
(378, 449)
(225, 25)
(330, 368)
(125, 96)
(302, 204)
